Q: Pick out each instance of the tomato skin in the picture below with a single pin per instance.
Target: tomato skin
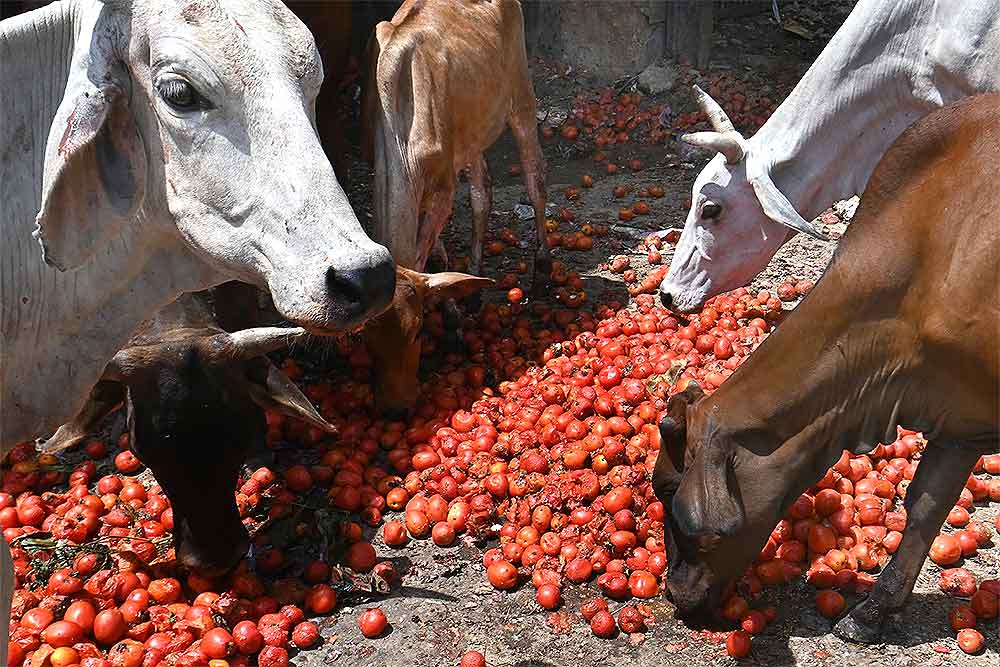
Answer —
(372, 623)
(247, 638)
(321, 599)
(502, 575)
(473, 659)
(643, 585)
(272, 656)
(548, 596)
(738, 644)
(305, 635)
(82, 613)
(109, 627)
(830, 603)
(945, 550)
(603, 625)
(62, 633)
(218, 643)
(970, 641)
(126, 653)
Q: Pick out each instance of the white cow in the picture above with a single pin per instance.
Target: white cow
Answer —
(891, 63)
(151, 148)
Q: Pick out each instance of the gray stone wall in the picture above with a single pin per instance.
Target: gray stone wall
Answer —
(610, 38)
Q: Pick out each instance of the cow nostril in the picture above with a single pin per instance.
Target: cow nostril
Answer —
(345, 284)
(362, 289)
(667, 299)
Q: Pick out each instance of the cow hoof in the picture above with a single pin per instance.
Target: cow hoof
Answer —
(854, 628)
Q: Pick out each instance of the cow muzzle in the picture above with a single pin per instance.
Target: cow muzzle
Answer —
(337, 295)
(213, 557)
(692, 593)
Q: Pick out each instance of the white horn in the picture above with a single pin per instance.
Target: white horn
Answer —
(716, 116)
(777, 207)
(250, 343)
(727, 144)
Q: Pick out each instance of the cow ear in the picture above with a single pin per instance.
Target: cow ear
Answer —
(453, 285)
(673, 426)
(105, 398)
(94, 176)
(673, 442)
(281, 395)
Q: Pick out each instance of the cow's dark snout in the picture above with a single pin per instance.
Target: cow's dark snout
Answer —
(666, 298)
(364, 290)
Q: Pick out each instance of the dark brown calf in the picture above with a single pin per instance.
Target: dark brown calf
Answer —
(903, 331)
(194, 395)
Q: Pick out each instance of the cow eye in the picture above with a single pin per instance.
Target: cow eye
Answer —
(180, 94)
(710, 210)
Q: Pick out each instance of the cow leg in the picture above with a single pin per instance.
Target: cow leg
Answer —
(432, 223)
(524, 126)
(438, 260)
(481, 202)
(943, 472)
(429, 240)
(6, 596)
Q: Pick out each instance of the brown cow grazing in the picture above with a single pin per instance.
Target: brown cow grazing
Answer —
(902, 332)
(444, 77)
(393, 338)
(193, 394)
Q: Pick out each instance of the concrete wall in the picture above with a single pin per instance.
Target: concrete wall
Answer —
(610, 38)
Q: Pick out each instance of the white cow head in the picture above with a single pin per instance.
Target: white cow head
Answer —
(195, 120)
(738, 218)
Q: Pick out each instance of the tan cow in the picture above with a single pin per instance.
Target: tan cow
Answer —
(444, 78)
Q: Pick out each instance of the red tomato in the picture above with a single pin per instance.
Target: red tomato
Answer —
(372, 623)
(502, 575)
(62, 633)
(109, 627)
(970, 641)
(830, 603)
(738, 644)
(946, 549)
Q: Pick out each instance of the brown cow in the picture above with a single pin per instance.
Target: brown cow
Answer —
(444, 77)
(392, 338)
(899, 332)
(194, 394)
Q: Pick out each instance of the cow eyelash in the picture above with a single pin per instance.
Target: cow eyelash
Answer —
(180, 95)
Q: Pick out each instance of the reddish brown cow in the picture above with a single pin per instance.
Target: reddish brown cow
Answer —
(898, 332)
(444, 78)
(393, 338)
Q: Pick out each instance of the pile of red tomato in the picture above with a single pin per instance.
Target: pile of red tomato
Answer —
(608, 119)
(551, 470)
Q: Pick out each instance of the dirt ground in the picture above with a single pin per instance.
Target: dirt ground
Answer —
(445, 606)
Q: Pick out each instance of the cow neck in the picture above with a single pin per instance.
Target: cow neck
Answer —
(831, 377)
(826, 138)
(59, 329)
